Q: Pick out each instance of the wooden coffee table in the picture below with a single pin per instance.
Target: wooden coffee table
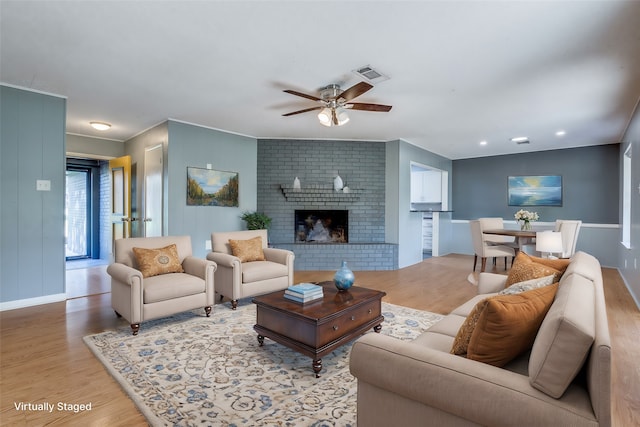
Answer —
(319, 327)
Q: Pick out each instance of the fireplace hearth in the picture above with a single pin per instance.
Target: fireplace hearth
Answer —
(322, 226)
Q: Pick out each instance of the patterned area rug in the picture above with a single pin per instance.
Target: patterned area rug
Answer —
(189, 370)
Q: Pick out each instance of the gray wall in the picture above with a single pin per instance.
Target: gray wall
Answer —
(135, 147)
(590, 181)
(93, 148)
(191, 145)
(405, 227)
(629, 258)
(32, 222)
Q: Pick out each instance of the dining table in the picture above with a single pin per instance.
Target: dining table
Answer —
(523, 237)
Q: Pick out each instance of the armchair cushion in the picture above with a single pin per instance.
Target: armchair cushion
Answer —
(247, 250)
(171, 286)
(508, 325)
(153, 262)
(262, 270)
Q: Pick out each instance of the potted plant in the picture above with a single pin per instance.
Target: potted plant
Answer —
(256, 220)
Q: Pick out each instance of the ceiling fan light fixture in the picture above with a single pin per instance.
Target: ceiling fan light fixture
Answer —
(342, 116)
(325, 117)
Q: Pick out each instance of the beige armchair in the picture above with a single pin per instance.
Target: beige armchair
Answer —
(236, 279)
(484, 250)
(138, 298)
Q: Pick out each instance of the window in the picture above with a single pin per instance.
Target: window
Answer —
(626, 199)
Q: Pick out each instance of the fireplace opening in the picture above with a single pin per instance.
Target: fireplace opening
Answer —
(321, 226)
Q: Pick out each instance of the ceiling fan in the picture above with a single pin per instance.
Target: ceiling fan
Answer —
(334, 103)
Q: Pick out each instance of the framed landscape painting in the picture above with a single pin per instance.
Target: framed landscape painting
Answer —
(208, 187)
(535, 190)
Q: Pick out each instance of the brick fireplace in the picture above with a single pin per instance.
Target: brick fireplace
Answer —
(359, 237)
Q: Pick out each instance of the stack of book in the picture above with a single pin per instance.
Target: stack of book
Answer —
(303, 292)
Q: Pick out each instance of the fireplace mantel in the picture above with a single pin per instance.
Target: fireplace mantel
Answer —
(315, 192)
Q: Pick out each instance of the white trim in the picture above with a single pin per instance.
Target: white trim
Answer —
(544, 224)
(29, 302)
(205, 127)
(33, 90)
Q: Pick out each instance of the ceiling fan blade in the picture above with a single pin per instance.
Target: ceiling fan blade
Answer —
(301, 111)
(335, 117)
(355, 90)
(304, 95)
(368, 107)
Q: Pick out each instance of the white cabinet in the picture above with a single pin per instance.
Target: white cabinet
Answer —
(426, 187)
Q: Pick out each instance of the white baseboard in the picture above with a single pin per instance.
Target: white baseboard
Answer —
(30, 302)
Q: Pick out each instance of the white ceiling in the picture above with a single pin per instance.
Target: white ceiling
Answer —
(460, 71)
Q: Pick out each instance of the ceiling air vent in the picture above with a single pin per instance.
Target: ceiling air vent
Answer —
(371, 75)
(520, 140)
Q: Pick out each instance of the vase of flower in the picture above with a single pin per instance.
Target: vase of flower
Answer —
(525, 218)
(343, 278)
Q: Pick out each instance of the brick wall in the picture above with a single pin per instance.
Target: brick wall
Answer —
(361, 165)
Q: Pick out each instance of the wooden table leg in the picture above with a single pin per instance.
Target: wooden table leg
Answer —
(317, 367)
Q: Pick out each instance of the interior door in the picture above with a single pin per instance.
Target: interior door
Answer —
(153, 177)
(120, 197)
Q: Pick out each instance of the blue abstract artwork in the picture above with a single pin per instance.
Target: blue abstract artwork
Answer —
(535, 190)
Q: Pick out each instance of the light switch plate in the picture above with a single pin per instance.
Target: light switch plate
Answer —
(207, 245)
(43, 185)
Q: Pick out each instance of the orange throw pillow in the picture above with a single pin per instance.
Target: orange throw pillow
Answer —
(154, 262)
(247, 250)
(525, 268)
(509, 324)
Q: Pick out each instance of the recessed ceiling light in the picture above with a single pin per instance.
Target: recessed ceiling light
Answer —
(519, 139)
(483, 142)
(561, 133)
(100, 125)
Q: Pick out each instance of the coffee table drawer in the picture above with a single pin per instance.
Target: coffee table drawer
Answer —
(348, 321)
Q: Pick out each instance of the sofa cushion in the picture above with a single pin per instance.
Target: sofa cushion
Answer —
(171, 286)
(247, 250)
(153, 262)
(525, 268)
(565, 337)
(508, 325)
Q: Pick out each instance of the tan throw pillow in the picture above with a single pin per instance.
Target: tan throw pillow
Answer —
(508, 325)
(153, 262)
(524, 268)
(559, 264)
(528, 285)
(247, 250)
(461, 341)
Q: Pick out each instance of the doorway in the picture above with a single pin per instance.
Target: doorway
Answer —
(82, 213)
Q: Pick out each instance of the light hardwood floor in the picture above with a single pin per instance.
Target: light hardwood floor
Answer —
(43, 357)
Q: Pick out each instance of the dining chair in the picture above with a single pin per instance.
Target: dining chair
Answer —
(495, 223)
(485, 250)
(569, 230)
